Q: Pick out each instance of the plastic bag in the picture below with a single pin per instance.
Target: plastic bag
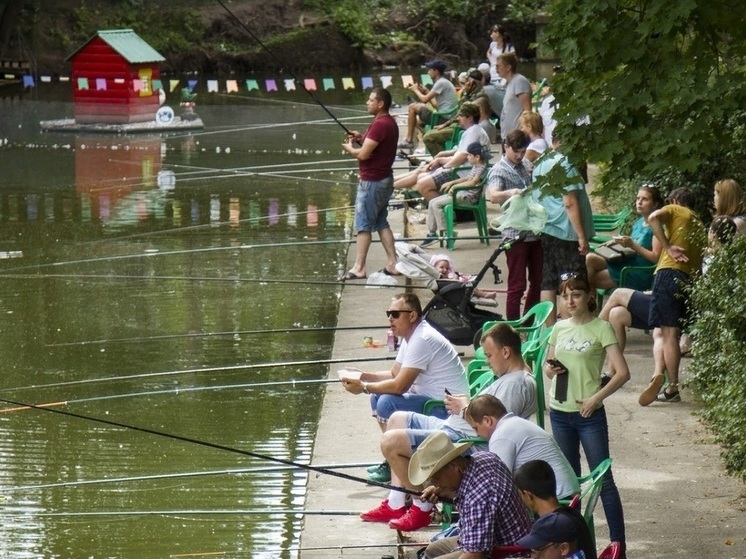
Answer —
(377, 279)
(523, 213)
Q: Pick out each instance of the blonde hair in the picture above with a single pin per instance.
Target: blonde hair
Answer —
(533, 120)
(730, 198)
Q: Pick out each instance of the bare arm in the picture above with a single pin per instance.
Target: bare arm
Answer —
(573, 213)
(525, 99)
(655, 220)
(457, 160)
(362, 153)
(500, 196)
(619, 364)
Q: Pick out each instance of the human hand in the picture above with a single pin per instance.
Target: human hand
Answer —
(623, 240)
(353, 386)
(431, 494)
(587, 406)
(583, 246)
(454, 404)
(677, 253)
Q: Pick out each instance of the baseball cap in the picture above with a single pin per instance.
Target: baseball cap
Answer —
(438, 65)
(555, 527)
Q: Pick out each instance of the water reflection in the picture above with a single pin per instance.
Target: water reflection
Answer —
(148, 239)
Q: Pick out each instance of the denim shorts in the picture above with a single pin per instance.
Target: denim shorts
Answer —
(371, 204)
(560, 257)
(384, 405)
(419, 427)
(669, 305)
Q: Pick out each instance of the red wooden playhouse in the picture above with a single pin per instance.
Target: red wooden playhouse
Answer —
(112, 76)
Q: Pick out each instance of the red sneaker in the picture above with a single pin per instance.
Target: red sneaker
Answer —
(383, 513)
(415, 519)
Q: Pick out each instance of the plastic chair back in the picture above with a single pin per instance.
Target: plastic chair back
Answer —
(592, 492)
(538, 313)
(624, 275)
(612, 551)
(479, 210)
(503, 551)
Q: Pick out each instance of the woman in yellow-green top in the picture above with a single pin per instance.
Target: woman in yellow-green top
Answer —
(577, 347)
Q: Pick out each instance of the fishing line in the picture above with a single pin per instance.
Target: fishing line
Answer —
(187, 389)
(198, 512)
(157, 477)
(292, 330)
(203, 370)
(339, 548)
(279, 63)
(295, 103)
(214, 446)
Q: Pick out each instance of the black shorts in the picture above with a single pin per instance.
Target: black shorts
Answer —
(639, 308)
(670, 302)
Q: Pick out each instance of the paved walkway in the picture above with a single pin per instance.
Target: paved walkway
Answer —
(678, 501)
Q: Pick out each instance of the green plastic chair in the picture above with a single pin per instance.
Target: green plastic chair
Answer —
(538, 313)
(542, 343)
(606, 223)
(436, 115)
(479, 210)
(455, 139)
(590, 491)
(625, 272)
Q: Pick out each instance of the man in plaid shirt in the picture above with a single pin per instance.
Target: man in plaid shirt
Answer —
(491, 512)
(508, 178)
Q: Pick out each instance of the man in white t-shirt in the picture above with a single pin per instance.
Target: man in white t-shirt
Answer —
(427, 366)
(517, 93)
(428, 179)
(406, 430)
(516, 441)
(442, 95)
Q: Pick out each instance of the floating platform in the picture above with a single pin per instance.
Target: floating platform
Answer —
(69, 125)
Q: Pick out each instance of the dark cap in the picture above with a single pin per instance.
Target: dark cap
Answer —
(475, 148)
(469, 109)
(554, 527)
(438, 65)
(476, 75)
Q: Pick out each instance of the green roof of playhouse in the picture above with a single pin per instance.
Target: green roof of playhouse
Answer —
(128, 44)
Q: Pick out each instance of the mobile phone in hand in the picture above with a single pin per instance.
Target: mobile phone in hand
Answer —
(448, 392)
(560, 381)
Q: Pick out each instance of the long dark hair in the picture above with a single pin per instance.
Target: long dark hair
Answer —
(578, 282)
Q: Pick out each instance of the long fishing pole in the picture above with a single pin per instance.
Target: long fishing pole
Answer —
(203, 370)
(279, 62)
(179, 390)
(214, 446)
(196, 512)
(279, 550)
(178, 475)
(293, 330)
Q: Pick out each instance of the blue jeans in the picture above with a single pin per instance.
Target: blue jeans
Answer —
(570, 430)
(383, 405)
(371, 204)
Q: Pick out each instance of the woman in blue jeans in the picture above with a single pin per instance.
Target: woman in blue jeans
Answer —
(576, 354)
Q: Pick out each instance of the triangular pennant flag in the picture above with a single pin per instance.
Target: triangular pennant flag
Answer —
(28, 81)
(425, 79)
(328, 84)
(231, 86)
(290, 84)
(385, 81)
(172, 84)
(309, 84)
(137, 84)
(367, 82)
(100, 84)
(82, 83)
(157, 84)
(212, 86)
(348, 83)
(252, 85)
(46, 79)
(191, 84)
(406, 81)
(271, 85)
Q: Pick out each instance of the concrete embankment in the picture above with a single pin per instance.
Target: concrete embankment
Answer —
(678, 501)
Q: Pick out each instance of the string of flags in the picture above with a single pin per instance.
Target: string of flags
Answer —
(83, 83)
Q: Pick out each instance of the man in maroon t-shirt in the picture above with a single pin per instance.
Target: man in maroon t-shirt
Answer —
(376, 156)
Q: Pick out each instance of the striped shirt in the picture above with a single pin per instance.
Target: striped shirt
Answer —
(506, 176)
(491, 512)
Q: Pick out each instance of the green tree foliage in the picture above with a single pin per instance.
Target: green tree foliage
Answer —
(662, 82)
(719, 353)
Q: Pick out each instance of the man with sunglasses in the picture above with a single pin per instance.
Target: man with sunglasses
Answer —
(427, 366)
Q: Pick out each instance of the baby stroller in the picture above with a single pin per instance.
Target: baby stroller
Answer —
(451, 310)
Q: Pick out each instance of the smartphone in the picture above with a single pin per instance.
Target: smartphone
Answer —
(560, 382)
(448, 392)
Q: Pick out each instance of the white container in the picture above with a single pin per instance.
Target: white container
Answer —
(345, 374)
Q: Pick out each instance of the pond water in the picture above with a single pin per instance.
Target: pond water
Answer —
(132, 272)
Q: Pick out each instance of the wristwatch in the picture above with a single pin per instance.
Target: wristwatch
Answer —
(365, 388)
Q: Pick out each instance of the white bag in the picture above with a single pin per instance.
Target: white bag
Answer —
(523, 213)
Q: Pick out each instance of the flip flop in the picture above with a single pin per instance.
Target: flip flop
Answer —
(389, 273)
(350, 276)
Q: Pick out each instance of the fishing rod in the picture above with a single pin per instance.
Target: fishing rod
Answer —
(364, 114)
(339, 548)
(279, 62)
(215, 446)
(203, 370)
(158, 477)
(195, 512)
(293, 330)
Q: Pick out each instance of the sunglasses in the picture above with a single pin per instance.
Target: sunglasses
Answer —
(538, 552)
(396, 314)
(569, 275)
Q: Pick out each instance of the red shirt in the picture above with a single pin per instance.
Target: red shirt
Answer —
(385, 131)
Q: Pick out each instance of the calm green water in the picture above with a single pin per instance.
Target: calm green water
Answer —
(117, 256)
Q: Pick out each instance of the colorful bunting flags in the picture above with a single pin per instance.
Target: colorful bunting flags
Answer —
(82, 83)
(347, 83)
(309, 84)
(172, 84)
(28, 81)
(231, 86)
(271, 85)
(252, 85)
(367, 82)
(328, 84)
(212, 86)
(157, 84)
(406, 81)
(289, 84)
(385, 81)
(100, 84)
(191, 84)
(425, 79)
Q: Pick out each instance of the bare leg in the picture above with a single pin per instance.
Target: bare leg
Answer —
(362, 245)
(550, 295)
(426, 187)
(412, 120)
(397, 450)
(671, 354)
(387, 240)
(619, 298)
(407, 180)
